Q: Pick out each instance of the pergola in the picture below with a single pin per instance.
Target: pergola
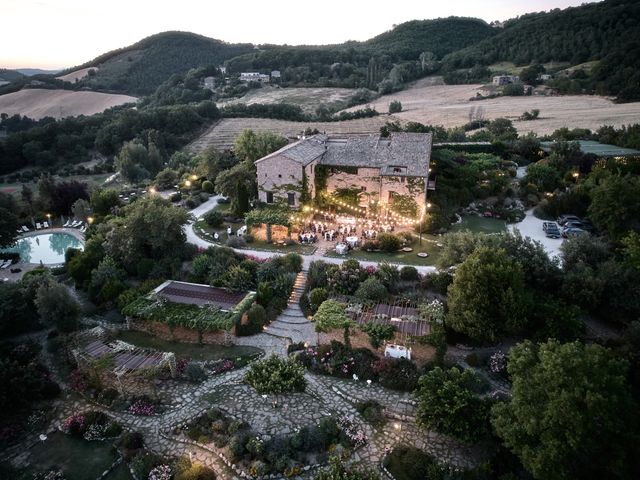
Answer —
(125, 361)
(401, 313)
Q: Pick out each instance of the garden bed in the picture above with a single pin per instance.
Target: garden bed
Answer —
(256, 456)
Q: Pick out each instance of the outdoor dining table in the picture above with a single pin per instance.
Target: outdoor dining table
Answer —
(353, 241)
(341, 248)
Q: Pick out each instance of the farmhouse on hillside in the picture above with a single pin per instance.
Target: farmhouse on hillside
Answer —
(376, 168)
(505, 79)
(254, 77)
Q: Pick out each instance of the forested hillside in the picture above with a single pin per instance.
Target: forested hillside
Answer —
(140, 68)
(414, 47)
(608, 31)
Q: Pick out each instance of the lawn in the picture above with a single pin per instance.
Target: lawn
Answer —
(429, 245)
(480, 224)
(78, 458)
(191, 350)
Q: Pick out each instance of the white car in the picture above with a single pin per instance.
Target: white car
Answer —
(397, 351)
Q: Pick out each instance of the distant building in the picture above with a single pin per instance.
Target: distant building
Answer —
(223, 69)
(254, 77)
(545, 77)
(275, 74)
(209, 83)
(505, 79)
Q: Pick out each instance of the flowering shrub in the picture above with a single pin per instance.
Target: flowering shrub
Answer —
(95, 431)
(142, 407)
(498, 362)
(371, 270)
(74, 425)
(181, 365)
(161, 472)
(276, 376)
(222, 366)
(356, 436)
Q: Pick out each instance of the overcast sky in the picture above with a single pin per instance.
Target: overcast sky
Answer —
(64, 33)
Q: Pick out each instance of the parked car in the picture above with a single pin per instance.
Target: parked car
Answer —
(547, 225)
(573, 224)
(562, 219)
(573, 232)
(553, 232)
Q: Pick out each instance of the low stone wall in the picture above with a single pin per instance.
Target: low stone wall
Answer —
(179, 334)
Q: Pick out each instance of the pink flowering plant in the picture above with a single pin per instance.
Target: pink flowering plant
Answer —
(75, 425)
(353, 433)
(222, 366)
(142, 407)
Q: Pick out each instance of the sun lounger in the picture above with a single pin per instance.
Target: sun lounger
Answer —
(25, 229)
(76, 224)
(5, 264)
(38, 226)
(67, 223)
(46, 225)
(83, 229)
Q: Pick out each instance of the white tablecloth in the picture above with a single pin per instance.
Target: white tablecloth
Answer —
(353, 241)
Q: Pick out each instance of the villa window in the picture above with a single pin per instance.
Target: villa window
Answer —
(269, 197)
(291, 199)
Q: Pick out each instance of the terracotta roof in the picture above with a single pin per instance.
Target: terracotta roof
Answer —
(197, 294)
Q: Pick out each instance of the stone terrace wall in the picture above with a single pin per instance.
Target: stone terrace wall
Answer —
(179, 334)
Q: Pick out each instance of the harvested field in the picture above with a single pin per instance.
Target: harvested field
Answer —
(76, 75)
(222, 134)
(307, 98)
(38, 103)
(449, 105)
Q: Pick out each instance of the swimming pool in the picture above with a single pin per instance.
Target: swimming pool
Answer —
(47, 248)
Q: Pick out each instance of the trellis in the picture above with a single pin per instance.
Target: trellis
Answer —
(403, 314)
(127, 360)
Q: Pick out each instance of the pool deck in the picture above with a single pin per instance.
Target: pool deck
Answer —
(7, 276)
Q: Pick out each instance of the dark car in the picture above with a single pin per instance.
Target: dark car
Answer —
(553, 232)
(573, 232)
(547, 225)
(573, 224)
(562, 219)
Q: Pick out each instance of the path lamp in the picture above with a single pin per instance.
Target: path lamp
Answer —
(49, 220)
(90, 220)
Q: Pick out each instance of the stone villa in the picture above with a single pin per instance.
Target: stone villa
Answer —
(377, 168)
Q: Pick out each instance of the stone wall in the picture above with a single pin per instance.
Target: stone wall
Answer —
(376, 186)
(180, 334)
(279, 175)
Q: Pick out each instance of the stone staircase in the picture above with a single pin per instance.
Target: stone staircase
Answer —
(291, 323)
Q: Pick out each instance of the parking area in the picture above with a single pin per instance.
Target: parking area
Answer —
(532, 227)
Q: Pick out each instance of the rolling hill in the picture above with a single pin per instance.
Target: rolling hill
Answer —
(140, 68)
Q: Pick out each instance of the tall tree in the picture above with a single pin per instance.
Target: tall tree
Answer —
(8, 228)
(250, 146)
(487, 298)
(615, 205)
(571, 413)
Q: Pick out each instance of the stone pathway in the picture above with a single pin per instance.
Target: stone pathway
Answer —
(291, 324)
